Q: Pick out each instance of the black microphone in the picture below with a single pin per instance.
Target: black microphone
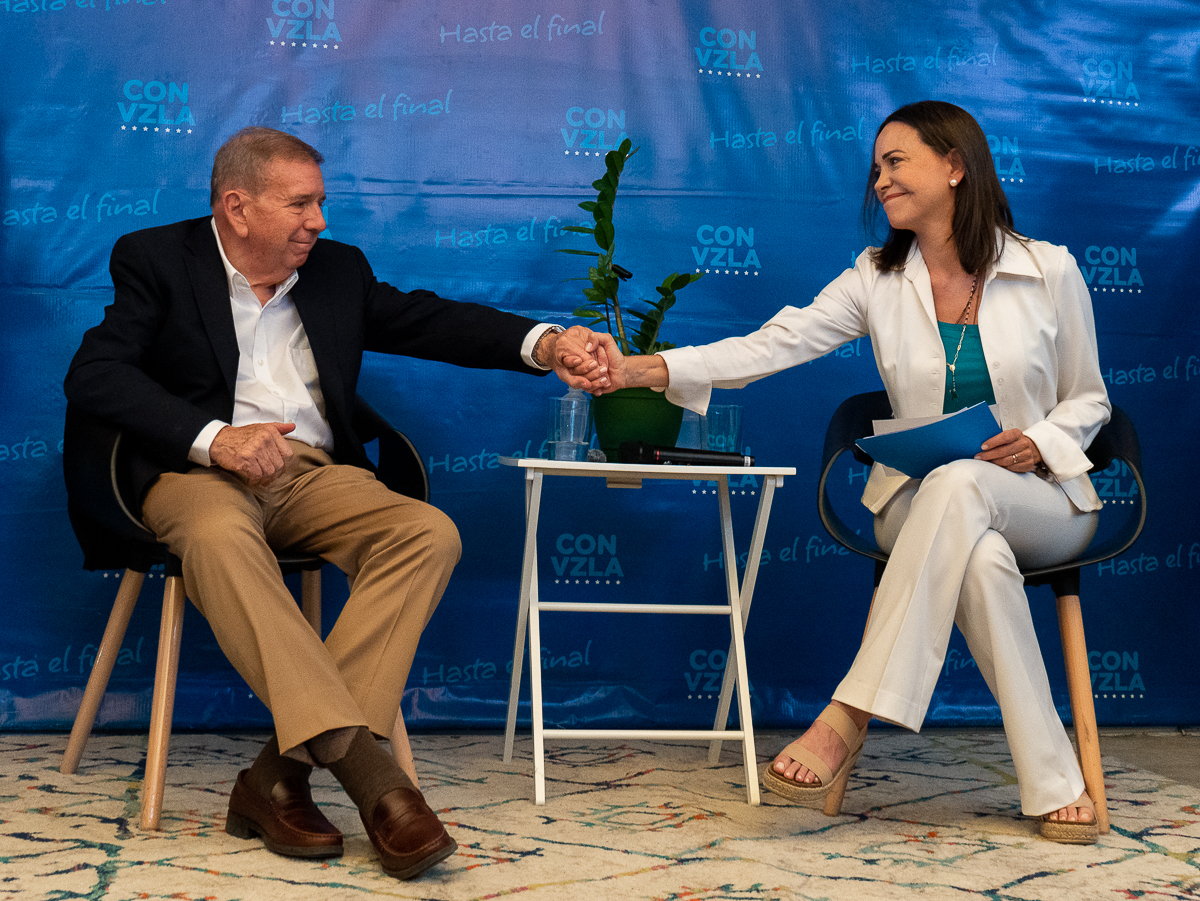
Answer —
(641, 452)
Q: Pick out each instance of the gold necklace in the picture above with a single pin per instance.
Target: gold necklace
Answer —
(966, 320)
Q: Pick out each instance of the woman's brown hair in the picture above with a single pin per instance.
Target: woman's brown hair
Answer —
(982, 217)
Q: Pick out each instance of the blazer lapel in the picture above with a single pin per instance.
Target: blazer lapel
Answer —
(917, 273)
(312, 299)
(211, 286)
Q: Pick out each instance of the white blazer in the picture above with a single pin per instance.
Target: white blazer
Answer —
(1038, 335)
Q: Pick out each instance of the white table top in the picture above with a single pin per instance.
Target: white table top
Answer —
(641, 470)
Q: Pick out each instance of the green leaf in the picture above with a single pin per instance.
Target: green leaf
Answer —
(604, 235)
(582, 253)
(601, 295)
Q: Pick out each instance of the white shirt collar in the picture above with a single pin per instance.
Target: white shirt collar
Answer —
(1015, 259)
(235, 280)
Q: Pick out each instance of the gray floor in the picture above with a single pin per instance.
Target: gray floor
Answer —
(1174, 753)
(1169, 751)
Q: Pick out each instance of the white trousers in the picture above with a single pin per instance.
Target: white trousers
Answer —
(956, 540)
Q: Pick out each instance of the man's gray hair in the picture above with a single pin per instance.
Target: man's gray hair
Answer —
(242, 160)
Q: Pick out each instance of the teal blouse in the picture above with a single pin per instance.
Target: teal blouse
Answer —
(970, 380)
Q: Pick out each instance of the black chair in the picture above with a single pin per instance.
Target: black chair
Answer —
(1117, 440)
(98, 487)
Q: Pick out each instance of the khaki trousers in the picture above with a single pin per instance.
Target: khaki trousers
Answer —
(397, 552)
(956, 540)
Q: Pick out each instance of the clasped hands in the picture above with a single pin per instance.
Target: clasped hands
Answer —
(591, 361)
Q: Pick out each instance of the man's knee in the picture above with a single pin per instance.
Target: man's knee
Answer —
(443, 535)
(431, 529)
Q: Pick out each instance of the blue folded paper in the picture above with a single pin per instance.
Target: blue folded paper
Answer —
(918, 451)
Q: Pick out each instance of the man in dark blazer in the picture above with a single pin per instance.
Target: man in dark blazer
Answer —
(230, 356)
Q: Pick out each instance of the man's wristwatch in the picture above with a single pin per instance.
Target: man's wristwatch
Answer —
(552, 330)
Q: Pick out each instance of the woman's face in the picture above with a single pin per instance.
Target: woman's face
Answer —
(912, 181)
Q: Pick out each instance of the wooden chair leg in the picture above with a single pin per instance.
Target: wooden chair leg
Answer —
(163, 705)
(106, 658)
(1083, 710)
(310, 597)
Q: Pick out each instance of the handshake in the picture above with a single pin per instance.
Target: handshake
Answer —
(592, 362)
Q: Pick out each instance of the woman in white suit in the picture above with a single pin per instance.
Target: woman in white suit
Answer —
(960, 308)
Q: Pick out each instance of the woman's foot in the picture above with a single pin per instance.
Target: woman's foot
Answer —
(1081, 811)
(821, 740)
(1074, 824)
(814, 770)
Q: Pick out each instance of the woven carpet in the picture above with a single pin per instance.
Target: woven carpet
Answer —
(931, 816)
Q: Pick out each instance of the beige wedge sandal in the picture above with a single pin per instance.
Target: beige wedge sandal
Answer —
(831, 789)
(1072, 833)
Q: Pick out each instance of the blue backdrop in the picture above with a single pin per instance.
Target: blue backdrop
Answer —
(459, 136)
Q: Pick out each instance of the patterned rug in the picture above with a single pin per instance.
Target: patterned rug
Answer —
(932, 816)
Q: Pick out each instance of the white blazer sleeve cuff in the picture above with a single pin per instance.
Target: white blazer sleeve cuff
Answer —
(1060, 453)
(689, 384)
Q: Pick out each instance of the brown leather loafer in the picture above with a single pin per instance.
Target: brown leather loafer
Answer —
(407, 834)
(288, 822)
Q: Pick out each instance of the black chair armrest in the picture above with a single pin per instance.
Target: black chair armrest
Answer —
(400, 465)
(95, 478)
(838, 530)
(850, 421)
(1116, 441)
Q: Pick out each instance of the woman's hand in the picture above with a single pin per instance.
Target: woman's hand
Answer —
(577, 361)
(1013, 450)
(609, 369)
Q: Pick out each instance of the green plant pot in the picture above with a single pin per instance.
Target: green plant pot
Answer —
(635, 414)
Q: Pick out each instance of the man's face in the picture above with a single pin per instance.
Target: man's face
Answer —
(285, 218)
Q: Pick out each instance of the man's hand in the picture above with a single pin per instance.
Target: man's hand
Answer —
(574, 359)
(255, 452)
(620, 371)
(595, 357)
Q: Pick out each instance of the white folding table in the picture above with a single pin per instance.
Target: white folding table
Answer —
(737, 608)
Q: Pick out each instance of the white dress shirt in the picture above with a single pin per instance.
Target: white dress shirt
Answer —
(277, 375)
(1035, 323)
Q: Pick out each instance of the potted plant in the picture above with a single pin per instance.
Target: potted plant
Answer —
(631, 414)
